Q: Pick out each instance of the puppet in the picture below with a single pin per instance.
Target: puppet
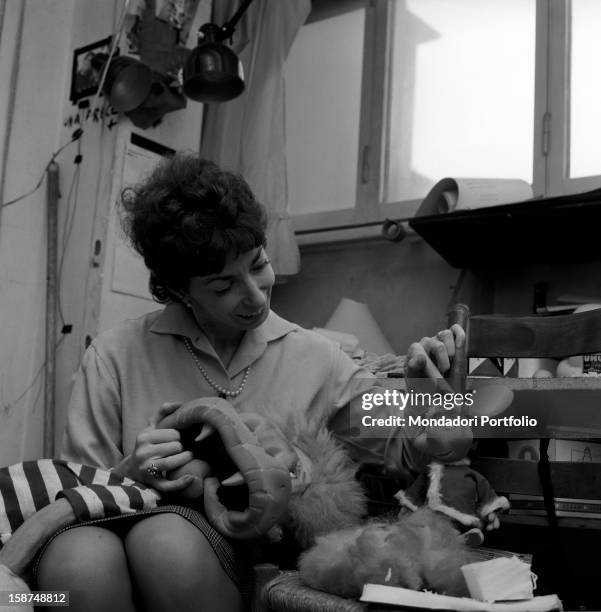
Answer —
(458, 492)
(421, 550)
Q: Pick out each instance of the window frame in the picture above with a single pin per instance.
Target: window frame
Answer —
(557, 179)
(551, 144)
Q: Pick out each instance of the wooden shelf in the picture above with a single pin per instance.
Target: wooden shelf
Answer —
(546, 230)
(519, 476)
(563, 407)
(541, 521)
(582, 383)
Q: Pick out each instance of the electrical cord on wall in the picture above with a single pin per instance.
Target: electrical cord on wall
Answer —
(72, 198)
(74, 137)
(8, 405)
(114, 46)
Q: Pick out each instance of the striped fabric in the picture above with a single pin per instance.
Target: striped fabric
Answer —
(93, 493)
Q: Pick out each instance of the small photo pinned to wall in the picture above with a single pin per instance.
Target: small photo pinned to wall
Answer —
(88, 63)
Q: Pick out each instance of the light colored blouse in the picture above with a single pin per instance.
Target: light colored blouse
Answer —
(129, 371)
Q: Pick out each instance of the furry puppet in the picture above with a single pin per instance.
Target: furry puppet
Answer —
(264, 479)
(422, 550)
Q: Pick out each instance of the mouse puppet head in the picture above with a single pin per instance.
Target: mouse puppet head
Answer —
(260, 478)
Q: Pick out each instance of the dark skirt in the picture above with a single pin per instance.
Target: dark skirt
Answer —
(234, 557)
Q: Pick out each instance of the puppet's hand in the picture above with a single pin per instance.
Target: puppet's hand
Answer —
(491, 521)
(196, 469)
(446, 443)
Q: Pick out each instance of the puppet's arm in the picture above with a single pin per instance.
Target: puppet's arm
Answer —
(83, 501)
(25, 542)
(489, 503)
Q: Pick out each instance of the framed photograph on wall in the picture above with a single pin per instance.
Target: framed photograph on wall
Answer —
(88, 63)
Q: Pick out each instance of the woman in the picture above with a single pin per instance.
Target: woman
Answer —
(202, 236)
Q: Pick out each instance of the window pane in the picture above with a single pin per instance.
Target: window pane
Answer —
(585, 89)
(462, 93)
(323, 96)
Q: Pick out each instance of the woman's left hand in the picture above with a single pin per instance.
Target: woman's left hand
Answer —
(156, 452)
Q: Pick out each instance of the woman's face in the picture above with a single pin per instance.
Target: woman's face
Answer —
(238, 297)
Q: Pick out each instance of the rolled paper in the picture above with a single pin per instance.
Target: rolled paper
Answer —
(355, 318)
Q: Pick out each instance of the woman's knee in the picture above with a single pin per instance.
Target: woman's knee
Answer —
(171, 559)
(89, 563)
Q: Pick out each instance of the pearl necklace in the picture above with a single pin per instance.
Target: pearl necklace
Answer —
(223, 393)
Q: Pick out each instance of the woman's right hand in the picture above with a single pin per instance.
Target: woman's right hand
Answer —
(156, 452)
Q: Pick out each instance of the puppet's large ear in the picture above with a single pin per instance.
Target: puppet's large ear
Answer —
(266, 475)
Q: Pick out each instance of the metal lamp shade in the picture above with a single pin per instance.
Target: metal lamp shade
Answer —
(127, 83)
(212, 73)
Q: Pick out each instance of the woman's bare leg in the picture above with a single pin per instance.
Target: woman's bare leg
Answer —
(89, 563)
(175, 568)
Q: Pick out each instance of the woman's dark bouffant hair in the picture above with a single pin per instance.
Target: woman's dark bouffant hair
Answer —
(186, 217)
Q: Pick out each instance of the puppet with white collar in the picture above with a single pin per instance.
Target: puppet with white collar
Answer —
(459, 492)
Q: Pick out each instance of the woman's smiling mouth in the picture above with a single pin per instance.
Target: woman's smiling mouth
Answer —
(252, 315)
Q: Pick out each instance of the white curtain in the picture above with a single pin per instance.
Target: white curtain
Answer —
(247, 134)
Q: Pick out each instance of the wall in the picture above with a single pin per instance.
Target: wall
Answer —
(514, 292)
(406, 285)
(51, 30)
(29, 136)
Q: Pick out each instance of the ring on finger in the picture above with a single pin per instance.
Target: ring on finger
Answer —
(154, 471)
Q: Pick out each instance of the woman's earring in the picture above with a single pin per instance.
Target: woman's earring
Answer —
(184, 299)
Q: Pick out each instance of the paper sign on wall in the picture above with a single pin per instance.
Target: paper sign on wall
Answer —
(130, 275)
